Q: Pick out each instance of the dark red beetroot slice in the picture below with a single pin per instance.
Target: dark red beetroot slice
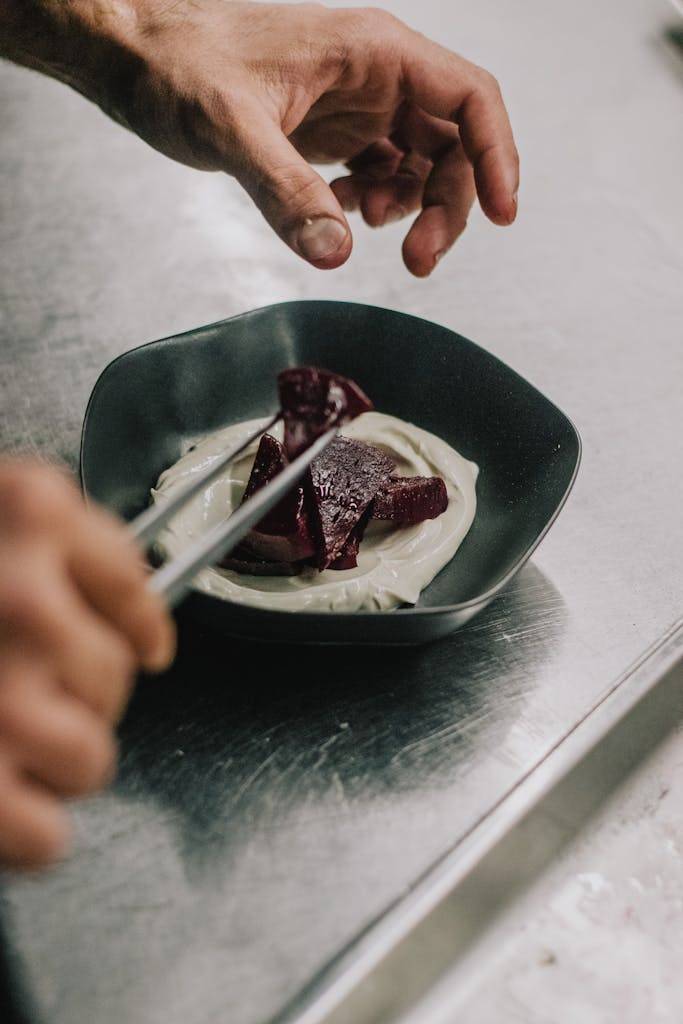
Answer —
(314, 400)
(343, 481)
(348, 556)
(283, 535)
(270, 460)
(241, 560)
(410, 500)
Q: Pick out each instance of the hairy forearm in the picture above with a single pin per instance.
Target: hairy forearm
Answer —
(85, 43)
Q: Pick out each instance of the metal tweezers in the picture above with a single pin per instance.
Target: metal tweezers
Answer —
(174, 578)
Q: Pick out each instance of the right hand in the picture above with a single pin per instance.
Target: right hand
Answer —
(76, 620)
(264, 90)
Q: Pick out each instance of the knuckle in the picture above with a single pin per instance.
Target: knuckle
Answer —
(372, 19)
(313, 8)
(488, 83)
(286, 193)
(381, 34)
(22, 600)
(291, 178)
(294, 185)
(377, 29)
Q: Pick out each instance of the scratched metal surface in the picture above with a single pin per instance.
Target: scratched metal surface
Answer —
(268, 808)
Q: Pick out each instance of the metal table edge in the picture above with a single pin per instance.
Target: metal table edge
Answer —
(339, 993)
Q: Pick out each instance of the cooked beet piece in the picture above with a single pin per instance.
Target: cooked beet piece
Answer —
(314, 400)
(271, 547)
(322, 521)
(410, 500)
(260, 567)
(270, 460)
(283, 535)
(343, 480)
(348, 556)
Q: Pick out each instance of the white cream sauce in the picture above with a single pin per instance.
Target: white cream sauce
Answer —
(394, 564)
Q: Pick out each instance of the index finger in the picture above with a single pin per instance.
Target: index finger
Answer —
(450, 87)
(103, 561)
(109, 570)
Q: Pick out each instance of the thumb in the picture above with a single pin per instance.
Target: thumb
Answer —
(297, 203)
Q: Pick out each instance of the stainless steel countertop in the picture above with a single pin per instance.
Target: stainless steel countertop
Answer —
(258, 825)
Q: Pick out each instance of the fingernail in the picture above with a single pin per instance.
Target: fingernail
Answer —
(320, 237)
(513, 212)
(440, 255)
(394, 213)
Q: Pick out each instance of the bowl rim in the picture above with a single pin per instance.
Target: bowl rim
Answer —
(429, 610)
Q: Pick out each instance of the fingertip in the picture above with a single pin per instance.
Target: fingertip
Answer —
(495, 162)
(432, 236)
(419, 263)
(160, 650)
(495, 202)
(379, 210)
(419, 270)
(372, 217)
(497, 195)
(502, 214)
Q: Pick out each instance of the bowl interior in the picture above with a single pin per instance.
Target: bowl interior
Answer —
(151, 400)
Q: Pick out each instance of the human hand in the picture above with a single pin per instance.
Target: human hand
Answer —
(76, 619)
(259, 90)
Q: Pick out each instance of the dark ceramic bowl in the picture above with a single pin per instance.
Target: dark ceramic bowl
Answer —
(152, 399)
